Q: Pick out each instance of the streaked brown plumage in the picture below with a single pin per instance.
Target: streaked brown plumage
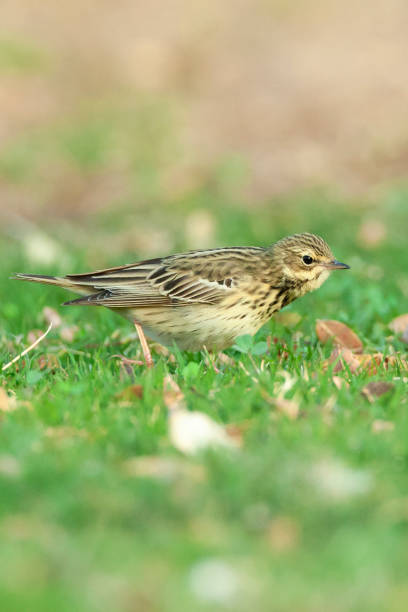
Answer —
(206, 298)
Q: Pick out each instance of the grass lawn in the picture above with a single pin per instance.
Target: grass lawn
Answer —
(99, 511)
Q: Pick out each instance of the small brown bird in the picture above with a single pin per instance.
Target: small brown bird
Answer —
(205, 298)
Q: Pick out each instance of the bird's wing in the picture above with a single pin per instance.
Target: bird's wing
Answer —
(203, 277)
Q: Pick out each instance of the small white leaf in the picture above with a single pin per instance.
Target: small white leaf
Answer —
(191, 432)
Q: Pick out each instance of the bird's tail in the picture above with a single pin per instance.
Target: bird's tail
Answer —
(59, 281)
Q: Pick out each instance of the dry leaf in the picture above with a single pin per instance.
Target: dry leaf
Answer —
(173, 397)
(7, 402)
(288, 407)
(339, 333)
(374, 362)
(395, 361)
(48, 362)
(400, 324)
(380, 425)
(371, 363)
(375, 389)
(340, 383)
(236, 431)
(191, 432)
(130, 393)
(52, 316)
(342, 358)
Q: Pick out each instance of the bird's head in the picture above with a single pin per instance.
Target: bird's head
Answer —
(305, 259)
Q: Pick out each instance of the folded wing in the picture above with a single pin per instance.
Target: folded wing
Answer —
(202, 277)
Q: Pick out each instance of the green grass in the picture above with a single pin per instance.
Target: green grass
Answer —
(309, 514)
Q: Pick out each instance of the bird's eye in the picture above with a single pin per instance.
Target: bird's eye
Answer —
(307, 259)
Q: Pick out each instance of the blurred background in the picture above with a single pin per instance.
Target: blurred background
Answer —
(173, 125)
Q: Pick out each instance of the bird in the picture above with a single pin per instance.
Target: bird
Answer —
(204, 298)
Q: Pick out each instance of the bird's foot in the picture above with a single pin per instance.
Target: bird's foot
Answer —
(145, 347)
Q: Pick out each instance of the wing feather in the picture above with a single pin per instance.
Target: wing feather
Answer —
(204, 277)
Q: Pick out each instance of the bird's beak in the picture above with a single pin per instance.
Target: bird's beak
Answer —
(337, 265)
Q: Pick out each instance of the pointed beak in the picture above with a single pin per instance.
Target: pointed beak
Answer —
(337, 265)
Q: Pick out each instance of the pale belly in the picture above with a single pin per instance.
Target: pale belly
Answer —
(194, 327)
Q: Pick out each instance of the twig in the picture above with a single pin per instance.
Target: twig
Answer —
(33, 345)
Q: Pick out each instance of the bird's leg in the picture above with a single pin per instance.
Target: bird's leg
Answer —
(145, 347)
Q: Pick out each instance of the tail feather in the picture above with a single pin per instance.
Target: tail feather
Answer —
(42, 278)
(58, 281)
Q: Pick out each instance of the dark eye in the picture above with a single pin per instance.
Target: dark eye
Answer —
(307, 259)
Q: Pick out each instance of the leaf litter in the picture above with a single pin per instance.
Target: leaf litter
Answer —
(375, 389)
(192, 431)
(339, 333)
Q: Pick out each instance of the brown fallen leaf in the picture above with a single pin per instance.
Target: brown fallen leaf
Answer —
(374, 362)
(339, 333)
(130, 393)
(342, 359)
(399, 325)
(48, 362)
(376, 388)
(380, 425)
(396, 361)
(371, 363)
